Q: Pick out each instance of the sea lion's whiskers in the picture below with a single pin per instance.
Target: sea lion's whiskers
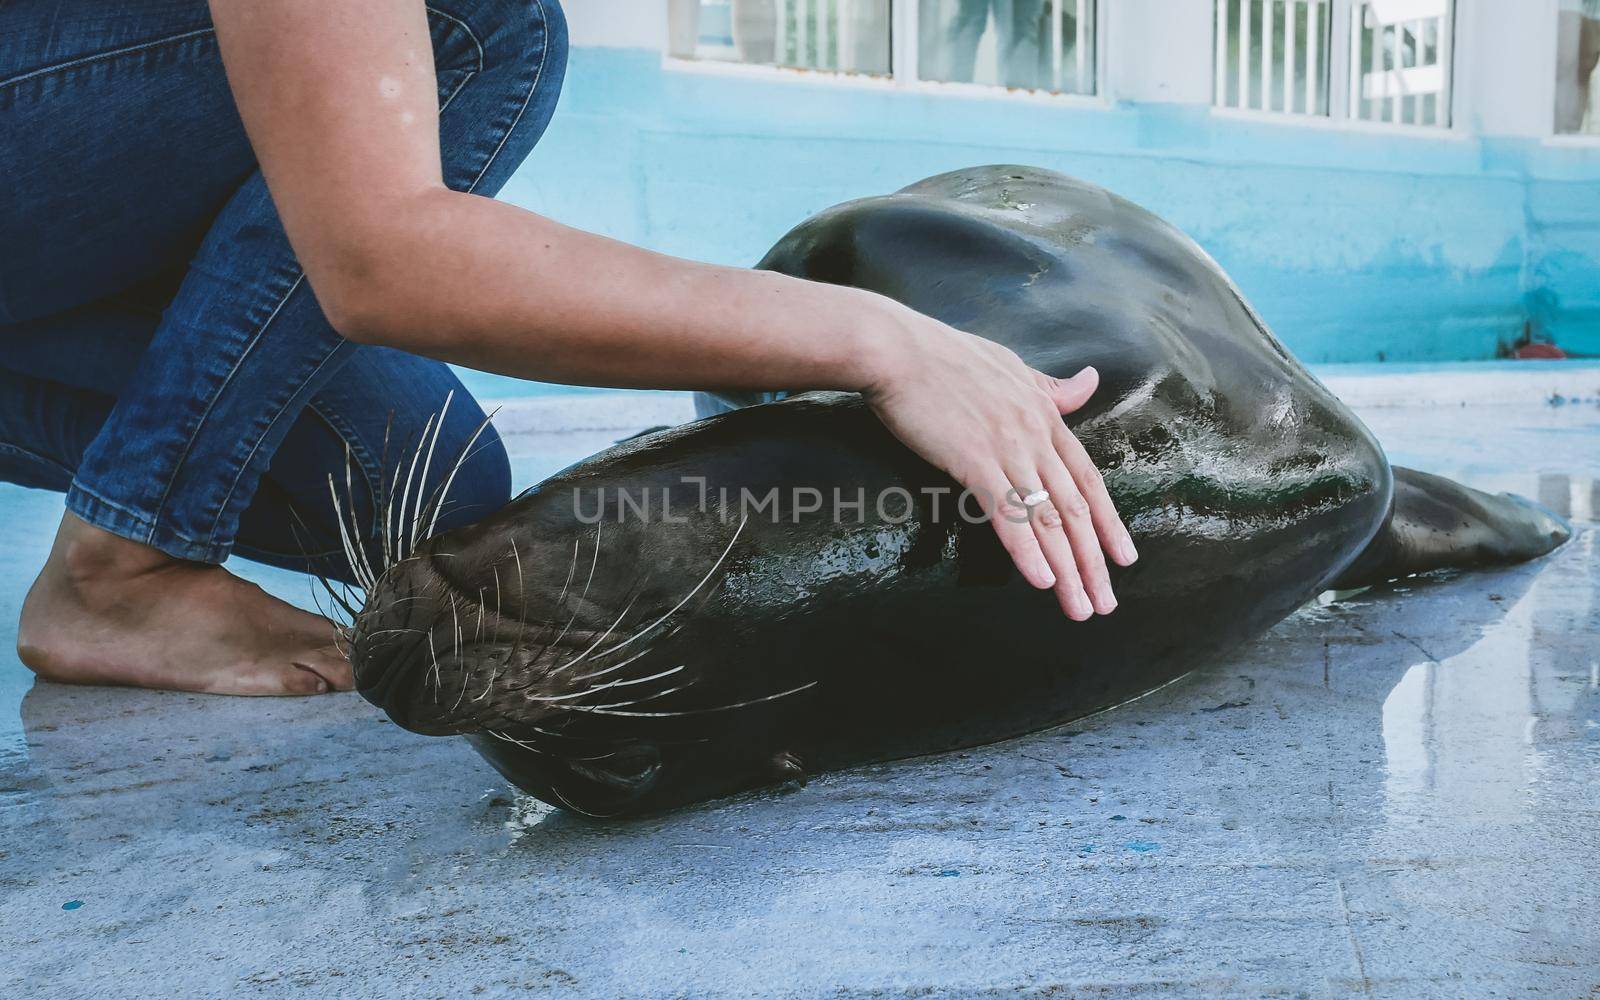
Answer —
(513, 739)
(387, 554)
(408, 600)
(603, 636)
(355, 529)
(600, 526)
(391, 548)
(604, 687)
(461, 460)
(693, 711)
(495, 569)
(613, 667)
(572, 571)
(355, 561)
(645, 699)
(394, 631)
(493, 676)
(640, 680)
(427, 466)
(686, 598)
(437, 680)
(455, 617)
(405, 494)
(495, 640)
(561, 601)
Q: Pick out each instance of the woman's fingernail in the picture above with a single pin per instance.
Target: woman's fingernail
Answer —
(1129, 553)
(1044, 575)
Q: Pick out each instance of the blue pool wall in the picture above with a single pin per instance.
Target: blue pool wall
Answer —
(1354, 244)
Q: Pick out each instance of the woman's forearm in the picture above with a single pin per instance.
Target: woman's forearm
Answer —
(488, 285)
(341, 108)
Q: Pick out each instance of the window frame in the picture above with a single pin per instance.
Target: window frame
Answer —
(902, 77)
(1337, 63)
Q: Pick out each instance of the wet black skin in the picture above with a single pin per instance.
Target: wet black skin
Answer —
(646, 662)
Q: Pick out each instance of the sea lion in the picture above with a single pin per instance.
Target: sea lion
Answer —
(786, 589)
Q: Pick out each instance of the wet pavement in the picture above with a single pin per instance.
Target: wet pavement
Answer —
(1394, 794)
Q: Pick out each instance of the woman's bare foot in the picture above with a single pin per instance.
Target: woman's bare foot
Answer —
(109, 611)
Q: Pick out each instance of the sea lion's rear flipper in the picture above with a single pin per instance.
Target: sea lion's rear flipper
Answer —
(1437, 523)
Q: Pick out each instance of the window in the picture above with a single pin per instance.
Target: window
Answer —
(1272, 55)
(1577, 51)
(847, 35)
(1400, 61)
(1277, 55)
(1032, 44)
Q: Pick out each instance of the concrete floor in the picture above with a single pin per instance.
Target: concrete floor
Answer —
(1391, 795)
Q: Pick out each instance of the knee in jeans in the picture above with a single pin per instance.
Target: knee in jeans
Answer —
(498, 110)
(515, 36)
(501, 34)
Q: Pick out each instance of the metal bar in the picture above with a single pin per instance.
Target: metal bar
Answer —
(1447, 31)
(1083, 48)
(802, 30)
(819, 25)
(1340, 67)
(1055, 28)
(1220, 60)
(780, 33)
(1393, 88)
(1291, 14)
(1371, 110)
(1267, 7)
(1246, 7)
(1313, 52)
(847, 35)
(903, 41)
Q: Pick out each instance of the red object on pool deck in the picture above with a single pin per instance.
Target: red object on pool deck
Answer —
(1536, 349)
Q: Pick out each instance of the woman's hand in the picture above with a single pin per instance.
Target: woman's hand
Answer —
(973, 408)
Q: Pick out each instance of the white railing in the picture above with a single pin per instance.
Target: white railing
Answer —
(1272, 55)
(1081, 77)
(816, 34)
(1400, 59)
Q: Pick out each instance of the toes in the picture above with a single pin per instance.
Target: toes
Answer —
(331, 666)
(302, 680)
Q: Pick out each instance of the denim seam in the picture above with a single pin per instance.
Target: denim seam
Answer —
(464, 26)
(17, 449)
(102, 56)
(222, 509)
(211, 404)
(371, 467)
(471, 75)
(544, 55)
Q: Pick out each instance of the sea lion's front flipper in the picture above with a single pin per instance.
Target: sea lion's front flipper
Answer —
(1437, 523)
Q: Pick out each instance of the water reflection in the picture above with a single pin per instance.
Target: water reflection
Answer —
(1472, 733)
(1574, 498)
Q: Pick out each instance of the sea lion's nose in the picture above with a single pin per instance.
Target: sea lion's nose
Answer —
(393, 644)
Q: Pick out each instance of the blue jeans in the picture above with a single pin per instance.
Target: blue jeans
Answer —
(162, 359)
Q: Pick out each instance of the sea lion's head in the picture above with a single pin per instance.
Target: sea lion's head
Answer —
(580, 637)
